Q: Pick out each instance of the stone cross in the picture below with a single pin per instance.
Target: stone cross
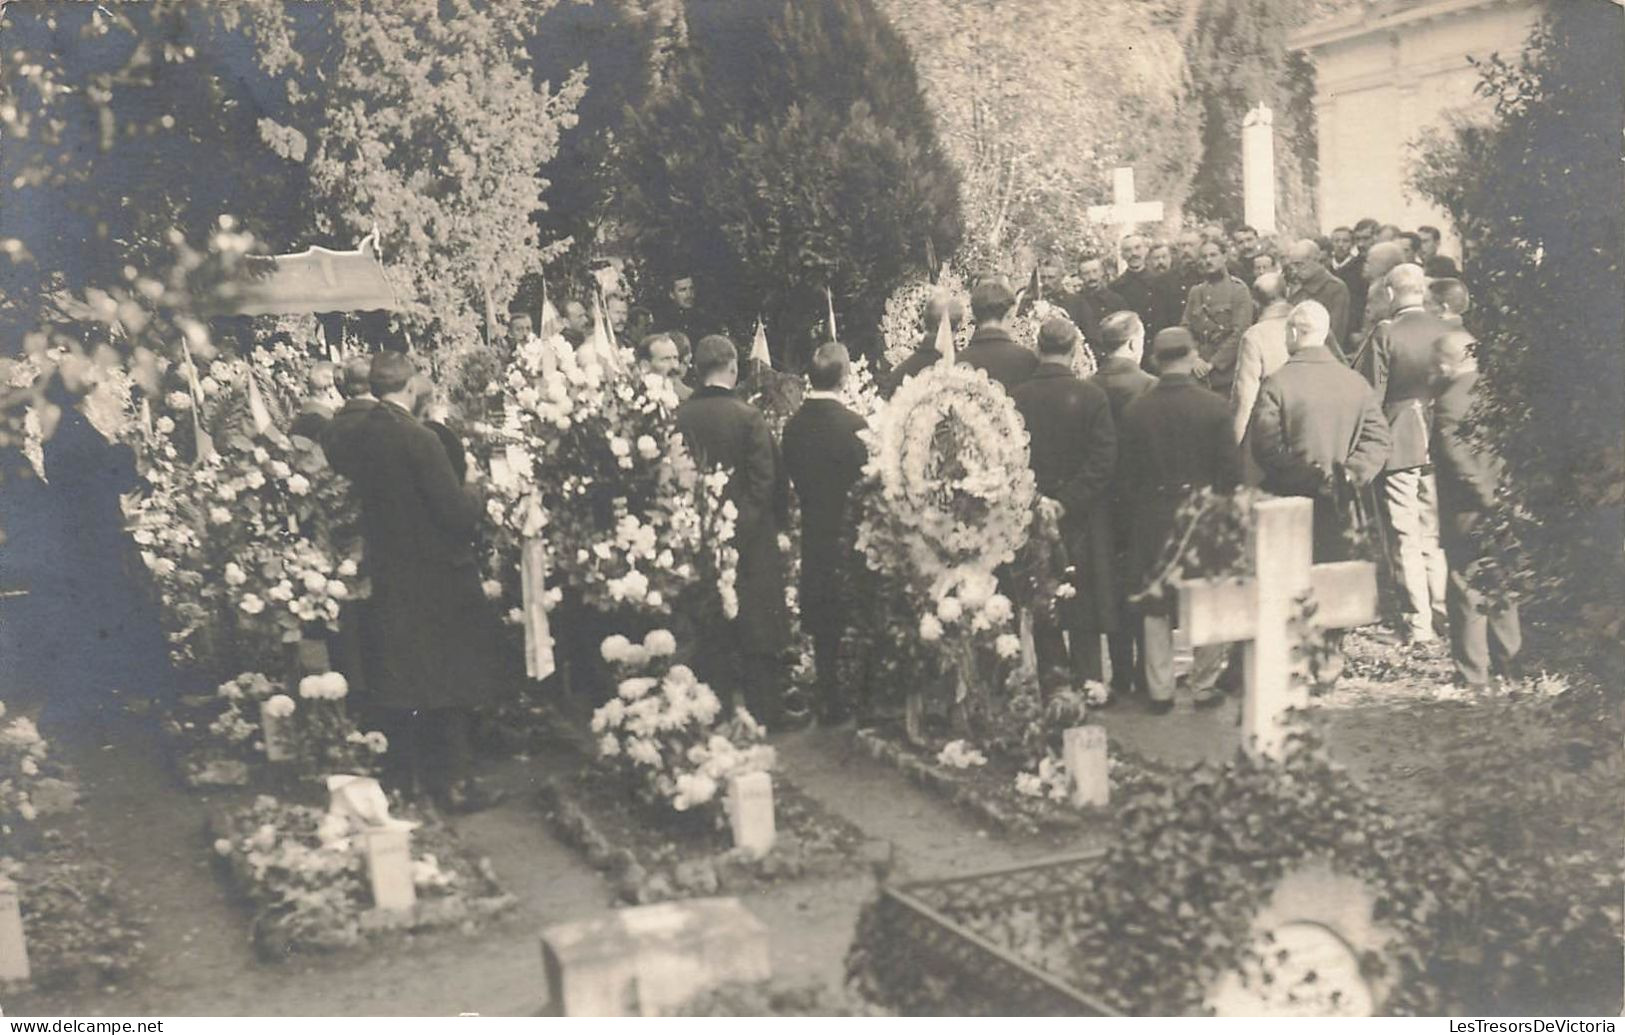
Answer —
(750, 812)
(1258, 610)
(13, 949)
(1083, 750)
(1258, 169)
(647, 960)
(1124, 212)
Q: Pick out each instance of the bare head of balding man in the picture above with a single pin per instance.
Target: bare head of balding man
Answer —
(1307, 326)
(1407, 285)
(1453, 356)
(1269, 287)
(1302, 259)
(1382, 257)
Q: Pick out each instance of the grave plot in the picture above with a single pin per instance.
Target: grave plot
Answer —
(671, 799)
(1270, 886)
(63, 923)
(320, 880)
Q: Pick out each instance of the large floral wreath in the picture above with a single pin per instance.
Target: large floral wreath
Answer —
(902, 325)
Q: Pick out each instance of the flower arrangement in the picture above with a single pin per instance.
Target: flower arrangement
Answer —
(250, 547)
(588, 459)
(666, 731)
(902, 325)
(1025, 327)
(31, 785)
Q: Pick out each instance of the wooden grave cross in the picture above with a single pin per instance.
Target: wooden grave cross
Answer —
(1258, 611)
(1124, 212)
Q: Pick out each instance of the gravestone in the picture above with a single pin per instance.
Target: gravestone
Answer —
(1311, 945)
(388, 851)
(13, 947)
(648, 960)
(1258, 169)
(276, 731)
(1083, 750)
(750, 813)
(1259, 611)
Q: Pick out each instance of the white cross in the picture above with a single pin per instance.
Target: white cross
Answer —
(1124, 212)
(1259, 609)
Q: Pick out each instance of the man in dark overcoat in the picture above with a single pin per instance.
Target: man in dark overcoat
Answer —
(1318, 430)
(354, 383)
(1073, 450)
(1123, 380)
(1483, 639)
(1175, 439)
(1312, 281)
(991, 348)
(430, 649)
(825, 458)
(746, 658)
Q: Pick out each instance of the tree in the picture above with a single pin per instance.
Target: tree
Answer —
(420, 118)
(1537, 198)
(787, 149)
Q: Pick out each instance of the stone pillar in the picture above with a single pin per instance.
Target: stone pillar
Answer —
(13, 946)
(1258, 169)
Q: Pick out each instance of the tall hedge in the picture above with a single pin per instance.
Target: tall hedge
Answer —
(788, 148)
(1537, 197)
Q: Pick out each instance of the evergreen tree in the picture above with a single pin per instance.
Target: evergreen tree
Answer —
(788, 148)
(1537, 198)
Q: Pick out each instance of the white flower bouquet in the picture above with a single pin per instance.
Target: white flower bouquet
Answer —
(668, 733)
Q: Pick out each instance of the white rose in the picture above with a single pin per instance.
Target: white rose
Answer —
(281, 469)
(163, 566)
(251, 604)
(614, 648)
(619, 446)
(298, 485)
(282, 591)
(347, 568)
(930, 629)
(279, 706)
(337, 590)
(254, 479)
(1008, 645)
(260, 455)
(949, 609)
(335, 685)
(315, 582)
(654, 599)
(998, 609)
(491, 588)
(312, 687)
(208, 385)
(165, 425)
(648, 448)
(234, 574)
(178, 401)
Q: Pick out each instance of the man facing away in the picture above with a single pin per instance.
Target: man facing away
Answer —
(1263, 352)
(825, 458)
(1379, 259)
(1073, 454)
(1401, 365)
(992, 305)
(353, 384)
(1217, 312)
(1175, 439)
(1122, 379)
(723, 430)
(1485, 636)
(429, 652)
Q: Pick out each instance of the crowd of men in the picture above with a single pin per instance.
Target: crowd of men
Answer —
(1343, 382)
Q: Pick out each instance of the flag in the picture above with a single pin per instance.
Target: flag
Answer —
(945, 336)
(551, 323)
(758, 344)
(829, 299)
(204, 443)
(321, 340)
(256, 403)
(602, 343)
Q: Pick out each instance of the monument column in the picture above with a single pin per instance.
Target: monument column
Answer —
(1258, 169)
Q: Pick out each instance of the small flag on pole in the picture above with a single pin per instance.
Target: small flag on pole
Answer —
(829, 299)
(945, 337)
(603, 344)
(758, 344)
(204, 442)
(321, 340)
(256, 403)
(551, 323)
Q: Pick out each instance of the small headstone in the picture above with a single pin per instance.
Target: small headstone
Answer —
(1306, 953)
(1083, 750)
(750, 812)
(389, 866)
(277, 733)
(647, 960)
(13, 949)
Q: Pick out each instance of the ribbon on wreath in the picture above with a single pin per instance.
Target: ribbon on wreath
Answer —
(533, 590)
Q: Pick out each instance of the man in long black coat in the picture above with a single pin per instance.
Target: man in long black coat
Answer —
(991, 348)
(1175, 438)
(825, 458)
(1073, 452)
(354, 383)
(723, 430)
(430, 649)
(1120, 376)
(1483, 639)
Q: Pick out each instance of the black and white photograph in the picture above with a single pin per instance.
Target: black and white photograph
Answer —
(812, 508)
